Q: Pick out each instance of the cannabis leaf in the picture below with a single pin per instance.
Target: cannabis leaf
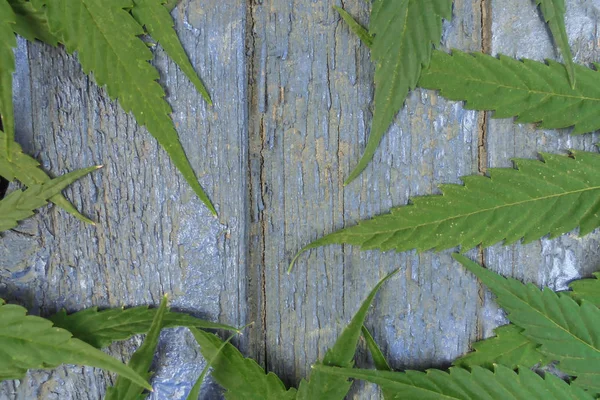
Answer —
(155, 17)
(29, 342)
(529, 90)
(31, 23)
(509, 347)
(7, 67)
(25, 169)
(101, 328)
(458, 383)
(327, 387)
(105, 37)
(568, 332)
(404, 34)
(21, 204)
(241, 377)
(554, 14)
(554, 196)
(140, 360)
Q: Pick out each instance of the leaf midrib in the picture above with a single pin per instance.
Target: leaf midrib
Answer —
(439, 221)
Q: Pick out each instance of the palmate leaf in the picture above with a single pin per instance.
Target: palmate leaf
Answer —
(20, 205)
(539, 198)
(31, 23)
(101, 328)
(140, 361)
(241, 377)
(8, 41)
(554, 15)
(155, 17)
(28, 342)
(460, 384)
(25, 169)
(529, 90)
(105, 37)
(328, 387)
(509, 347)
(404, 34)
(568, 332)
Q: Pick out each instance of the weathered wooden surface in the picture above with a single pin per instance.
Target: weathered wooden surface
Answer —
(292, 89)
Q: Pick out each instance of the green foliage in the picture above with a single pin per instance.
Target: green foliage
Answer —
(404, 34)
(101, 328)
(359, 30)
(458, 383)
(381, 363)
(31, 23)
(29, 342)
(568, 332)
(529, 90)
(140, 361)
(539, 198)
(106, 39)
(24, 168)
(328, 387)
(586, 289)
(7, 67)
(155, 17)
(554, 14)
(241, 377)
(195, 392)
(21, 204)
(509, 347)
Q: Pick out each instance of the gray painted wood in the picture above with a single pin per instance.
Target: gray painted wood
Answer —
(153, 235)
(292, 89)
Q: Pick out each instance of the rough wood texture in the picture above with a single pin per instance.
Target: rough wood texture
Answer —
(153, 235)
(292, 89)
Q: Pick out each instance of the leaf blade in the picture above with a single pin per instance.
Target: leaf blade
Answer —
(323, 386)
(154, 15)
(31, 23)
(8, 42)
(459, 384)
(140, 361)
(532, 91)
(554, 15)
(26, 169)
(241, 377)
(105, 37)
(478, 212)
(30, 342)
(568, 332)
(101, 328)
(405, 32)
(20, 205)
(508, 347)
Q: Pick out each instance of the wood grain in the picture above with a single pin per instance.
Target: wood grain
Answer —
(293, 105)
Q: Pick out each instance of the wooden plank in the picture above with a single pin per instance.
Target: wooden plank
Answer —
(310, 114)
(520, 32)
(153, 235)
